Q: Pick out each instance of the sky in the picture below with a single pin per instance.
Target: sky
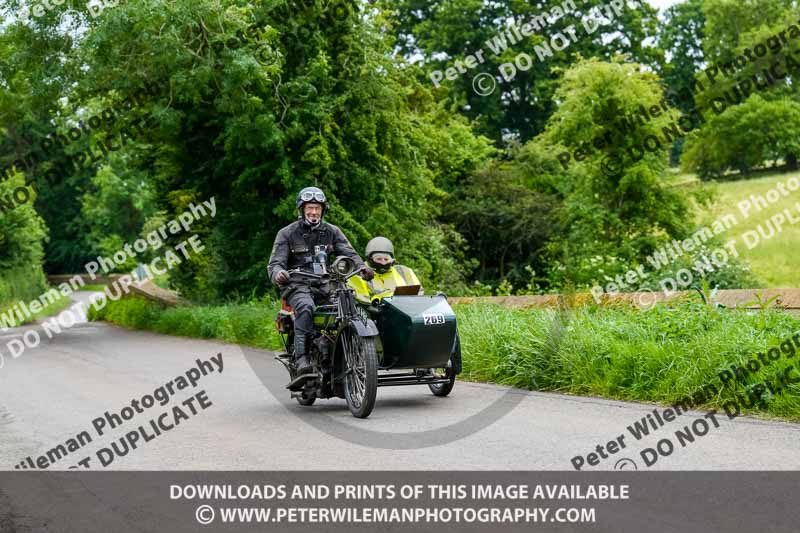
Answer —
(663, 4)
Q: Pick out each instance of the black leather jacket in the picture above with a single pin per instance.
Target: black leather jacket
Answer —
(296, 244)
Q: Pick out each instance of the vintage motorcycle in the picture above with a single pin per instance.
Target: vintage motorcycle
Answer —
(351, 343)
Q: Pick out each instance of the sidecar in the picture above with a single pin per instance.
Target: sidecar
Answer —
(419, 343)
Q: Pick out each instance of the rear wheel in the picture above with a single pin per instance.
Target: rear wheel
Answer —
(361, 373)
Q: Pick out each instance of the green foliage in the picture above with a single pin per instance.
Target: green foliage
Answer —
(506, 222)
(744, 137)
(251, 324)
(22, 231)
(681, 37)
(623, 215)
(22, 234)
(310, 96)
(436, 33)
(251, 101)
(21, 283)
(662, 355)
(113, 212)
(764, 127)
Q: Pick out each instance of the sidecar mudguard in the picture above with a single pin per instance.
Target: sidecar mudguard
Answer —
(365, 329)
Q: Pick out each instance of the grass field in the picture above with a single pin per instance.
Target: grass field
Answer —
(774, 261)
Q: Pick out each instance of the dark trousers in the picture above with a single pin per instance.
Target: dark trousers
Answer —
(302, 299)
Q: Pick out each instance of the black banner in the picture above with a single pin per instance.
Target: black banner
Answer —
(399, 501)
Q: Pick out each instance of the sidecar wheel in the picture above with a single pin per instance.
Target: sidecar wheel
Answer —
(306, 401)
(443, 389)
(361, 378)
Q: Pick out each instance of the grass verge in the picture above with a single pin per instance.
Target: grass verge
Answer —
(661, 356)
(252, 324)
(51, 309)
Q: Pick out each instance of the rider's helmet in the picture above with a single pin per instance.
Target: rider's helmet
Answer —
(311, 195)
(377, 247)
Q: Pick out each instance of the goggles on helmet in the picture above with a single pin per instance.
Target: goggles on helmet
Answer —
(307, 196)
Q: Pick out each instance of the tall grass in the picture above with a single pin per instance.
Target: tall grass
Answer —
(21, 283)
(660, 356)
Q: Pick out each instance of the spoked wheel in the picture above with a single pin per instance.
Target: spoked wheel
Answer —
(361, 373)
(443, 389)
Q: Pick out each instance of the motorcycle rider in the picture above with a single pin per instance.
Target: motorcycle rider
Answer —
(380, 257)
(295, 247)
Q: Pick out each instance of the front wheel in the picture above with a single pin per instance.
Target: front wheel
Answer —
(361, 373)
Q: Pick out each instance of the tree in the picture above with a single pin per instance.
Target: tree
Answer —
(681, 38)
(745, 116)
(259, 101)
(745, 136)
(22, 235)
(436, 33)
(610, 218)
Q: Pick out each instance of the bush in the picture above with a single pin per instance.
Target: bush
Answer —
(22, 234)
(21, 283)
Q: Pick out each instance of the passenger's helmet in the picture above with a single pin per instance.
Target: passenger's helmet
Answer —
(311, 195)
(379, 245)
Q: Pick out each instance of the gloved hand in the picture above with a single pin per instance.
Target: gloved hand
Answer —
(282, 277)
(367, 274)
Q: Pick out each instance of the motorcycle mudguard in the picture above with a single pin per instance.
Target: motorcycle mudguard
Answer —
(365, 329)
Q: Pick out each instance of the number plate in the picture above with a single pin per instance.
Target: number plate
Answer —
(430, 319)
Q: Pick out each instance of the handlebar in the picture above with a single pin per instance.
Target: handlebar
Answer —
(354, 272)
(303, 273)
(297, 271)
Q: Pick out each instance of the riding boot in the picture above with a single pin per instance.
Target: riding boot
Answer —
(301, 360)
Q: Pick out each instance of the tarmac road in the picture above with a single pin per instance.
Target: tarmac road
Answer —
(52, 393)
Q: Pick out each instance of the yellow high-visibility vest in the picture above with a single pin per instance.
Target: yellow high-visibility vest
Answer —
(383, 284)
